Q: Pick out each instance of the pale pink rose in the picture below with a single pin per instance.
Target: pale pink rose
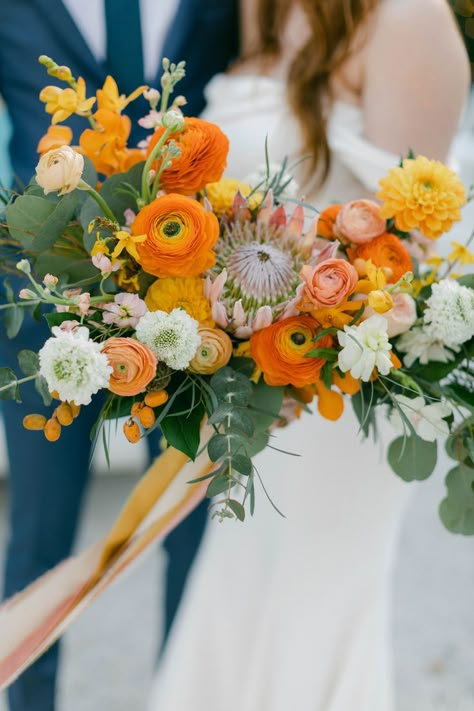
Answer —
(126, 311)
(329, 283)
(60, 170)
(400, 318)
(359, 221)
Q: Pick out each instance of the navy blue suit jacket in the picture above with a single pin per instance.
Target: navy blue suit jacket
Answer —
(204, 33)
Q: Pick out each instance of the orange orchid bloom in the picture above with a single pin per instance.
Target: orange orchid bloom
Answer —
(109, 98)
(106, 145)
(55, 137)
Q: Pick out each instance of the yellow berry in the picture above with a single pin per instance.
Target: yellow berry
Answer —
(131, 431)
(147, 417)
(52, 430)
(34, 422)
(75, 409)
(157, 398)
(64, 414)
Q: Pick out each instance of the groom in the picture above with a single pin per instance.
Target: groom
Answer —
(126, 38)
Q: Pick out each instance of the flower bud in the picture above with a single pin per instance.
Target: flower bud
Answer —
(27, 294)
(152, 96)
(24, 266)
(380, 301)
(50, 281)
(60, 170)
(174, 120)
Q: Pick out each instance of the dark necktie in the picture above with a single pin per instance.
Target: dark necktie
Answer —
(124, 43)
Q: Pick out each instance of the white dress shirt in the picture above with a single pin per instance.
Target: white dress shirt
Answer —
(156, 17)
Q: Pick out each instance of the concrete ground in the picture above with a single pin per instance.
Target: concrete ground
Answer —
(111, 651)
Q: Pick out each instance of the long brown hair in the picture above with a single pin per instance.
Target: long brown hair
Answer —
(334, 25)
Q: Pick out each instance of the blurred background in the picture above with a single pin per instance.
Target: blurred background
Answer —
(110, 654)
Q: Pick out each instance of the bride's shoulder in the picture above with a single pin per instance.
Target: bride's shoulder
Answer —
(399, 21)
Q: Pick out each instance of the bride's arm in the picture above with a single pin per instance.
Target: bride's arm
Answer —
(416, 78)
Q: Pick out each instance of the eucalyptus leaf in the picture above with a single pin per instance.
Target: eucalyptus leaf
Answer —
(13, 319)
(231, 386)
(219, 485)
(26, 217)
(457, 509)
(221, 445)
(412, 458)
(266, 403)
(8, 385)
(28, 362)
(236, 508)
(42, 389)
(233, 416)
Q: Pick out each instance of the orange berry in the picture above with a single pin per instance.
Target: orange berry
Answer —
(131, 431)
(52, 430)
(64, 414)
(55, 395)
(157, 398)
(136, 407)
(75, 409)
(34, 422)
(147, 417)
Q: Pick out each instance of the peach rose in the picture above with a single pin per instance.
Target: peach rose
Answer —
(134, 365)
(330, 282)
(359, 221)
(214, 352)
(60, 170)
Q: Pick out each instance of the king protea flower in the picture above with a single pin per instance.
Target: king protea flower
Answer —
(256, 278)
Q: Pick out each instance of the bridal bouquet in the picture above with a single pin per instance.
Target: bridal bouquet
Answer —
(183, 297)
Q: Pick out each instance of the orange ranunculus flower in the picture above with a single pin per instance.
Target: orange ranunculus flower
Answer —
(280, 351)
(203, 156)
(327, 220)
(180, 236)
(106, 145)
(133, 363)
(55, 137)
(385, 251)
(329, 283)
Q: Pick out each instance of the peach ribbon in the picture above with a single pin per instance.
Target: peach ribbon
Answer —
(35, 618)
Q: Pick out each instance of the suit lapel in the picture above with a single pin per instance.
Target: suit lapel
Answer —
(69, 36)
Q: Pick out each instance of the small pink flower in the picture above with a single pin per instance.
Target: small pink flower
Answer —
(69, 326)
(102, 262)
(129, 216)
(27, 294)
(84, 303)
(50, 281)
(151, 120)
(126, 311)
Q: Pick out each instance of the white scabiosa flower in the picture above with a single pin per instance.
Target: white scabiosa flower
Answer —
(450, 313)
(74, 366)
(427, 420)
(364, 348)
(172, 337)
(420, 345)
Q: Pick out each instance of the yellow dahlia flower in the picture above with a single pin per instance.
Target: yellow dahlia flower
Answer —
(180, 293)
(423, 193)
(221, 195)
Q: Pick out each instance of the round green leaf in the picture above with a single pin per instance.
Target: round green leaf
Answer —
(412, 458)
(457, 509)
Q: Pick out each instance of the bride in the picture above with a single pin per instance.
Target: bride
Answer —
(282, 613)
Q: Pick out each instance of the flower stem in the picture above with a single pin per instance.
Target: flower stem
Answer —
(19, 382)
(146, 195)
(99, 200)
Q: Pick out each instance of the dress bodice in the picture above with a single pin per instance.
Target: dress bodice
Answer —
(252, 109)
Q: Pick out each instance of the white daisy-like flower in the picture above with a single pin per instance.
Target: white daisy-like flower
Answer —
(427, 420)
(420, 345)
(74, 366)
(450, 313)
(172, 337)
(364, 348)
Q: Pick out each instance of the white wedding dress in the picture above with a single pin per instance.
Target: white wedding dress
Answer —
(293, 613)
